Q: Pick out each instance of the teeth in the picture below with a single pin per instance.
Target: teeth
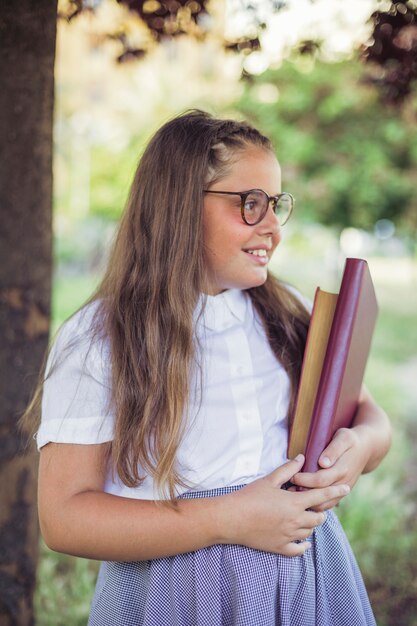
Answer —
(257, 252)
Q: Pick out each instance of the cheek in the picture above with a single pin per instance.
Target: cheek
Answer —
(210, 228)
(211, 240)
(220, 237)
(213, 246)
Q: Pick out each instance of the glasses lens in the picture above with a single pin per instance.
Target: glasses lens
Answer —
(284, 207)
(255, 206)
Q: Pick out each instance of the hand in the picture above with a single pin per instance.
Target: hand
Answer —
(265, 517)
(342, 462)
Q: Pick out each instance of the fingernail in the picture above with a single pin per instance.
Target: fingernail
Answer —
(307, 545)
(345, 488)
(299, 458)
(325, 461)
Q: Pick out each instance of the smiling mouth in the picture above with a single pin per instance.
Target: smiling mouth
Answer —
(259, 255)
(257, 252)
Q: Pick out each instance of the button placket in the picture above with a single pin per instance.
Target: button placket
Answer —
(249, 427)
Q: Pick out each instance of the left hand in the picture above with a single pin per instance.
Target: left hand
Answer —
(342, 462)
(352, 451)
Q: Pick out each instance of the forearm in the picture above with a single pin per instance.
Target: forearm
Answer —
(373, 427)
(77, 517)
(98, 525)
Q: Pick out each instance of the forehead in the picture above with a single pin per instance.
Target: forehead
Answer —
(254, 167)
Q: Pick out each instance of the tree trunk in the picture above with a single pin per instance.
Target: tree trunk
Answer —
(27, 51)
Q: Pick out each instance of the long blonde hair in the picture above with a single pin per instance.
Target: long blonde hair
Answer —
(148, 296)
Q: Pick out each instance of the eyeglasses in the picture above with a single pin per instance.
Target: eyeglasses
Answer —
(255, 203)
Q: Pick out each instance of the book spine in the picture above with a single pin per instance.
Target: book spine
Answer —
(335, 362)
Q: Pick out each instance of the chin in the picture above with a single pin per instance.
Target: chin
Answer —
(256, 282)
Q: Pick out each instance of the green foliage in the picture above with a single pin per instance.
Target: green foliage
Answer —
(111, 176)
(65, 587)
(93, 175)
(377, 521)
(69, 294)
(348, 160)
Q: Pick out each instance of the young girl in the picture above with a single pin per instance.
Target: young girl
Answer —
(166, 405)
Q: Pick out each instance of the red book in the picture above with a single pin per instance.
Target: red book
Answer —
(337, 349)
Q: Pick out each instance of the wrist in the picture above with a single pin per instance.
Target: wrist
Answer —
(369, 441)
(374, 427)
(224, 519)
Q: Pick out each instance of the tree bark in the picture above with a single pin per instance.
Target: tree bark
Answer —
(27, 52)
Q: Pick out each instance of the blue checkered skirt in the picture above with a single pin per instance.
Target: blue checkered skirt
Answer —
(231, 585)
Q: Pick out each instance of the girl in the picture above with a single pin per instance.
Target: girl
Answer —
(166, 404)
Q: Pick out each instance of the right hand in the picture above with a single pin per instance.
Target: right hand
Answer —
(266, 517)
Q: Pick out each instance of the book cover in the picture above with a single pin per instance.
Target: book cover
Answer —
(339, 380)
(315, 351)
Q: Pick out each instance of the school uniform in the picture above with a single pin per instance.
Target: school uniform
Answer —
(236, 432)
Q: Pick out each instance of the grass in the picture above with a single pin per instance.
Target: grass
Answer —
(65, 588)
(378, 517)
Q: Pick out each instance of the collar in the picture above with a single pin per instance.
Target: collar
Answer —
(224, 310)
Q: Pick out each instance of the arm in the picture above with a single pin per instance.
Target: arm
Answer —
(352, 451)
(373, 427)
(77, 517)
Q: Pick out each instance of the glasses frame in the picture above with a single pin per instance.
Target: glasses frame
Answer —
(244, 194)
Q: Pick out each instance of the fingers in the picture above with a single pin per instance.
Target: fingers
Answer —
(327, 506)
(342, 441)
(346, 456)
(277, 518)
(296, 549)
(319, 479)
(311, 519)
(285, 472)
(317, 497)
(300, 544)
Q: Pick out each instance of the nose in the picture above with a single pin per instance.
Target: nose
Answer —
(270, 223)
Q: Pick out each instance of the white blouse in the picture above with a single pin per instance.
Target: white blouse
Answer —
(237, 428)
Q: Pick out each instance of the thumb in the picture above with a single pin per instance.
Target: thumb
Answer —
(285, 472)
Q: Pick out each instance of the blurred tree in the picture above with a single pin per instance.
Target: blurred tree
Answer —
(173, 18)
(390, 55)
(392, 52)
(349, 159)
(27, 48)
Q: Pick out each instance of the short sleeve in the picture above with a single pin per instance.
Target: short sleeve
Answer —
(76, 392)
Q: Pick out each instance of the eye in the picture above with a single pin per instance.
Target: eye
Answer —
(254, 203)
(250, 204)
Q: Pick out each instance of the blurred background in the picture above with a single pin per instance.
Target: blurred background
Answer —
(315, 78)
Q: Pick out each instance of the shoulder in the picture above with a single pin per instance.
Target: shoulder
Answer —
(76, 395)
